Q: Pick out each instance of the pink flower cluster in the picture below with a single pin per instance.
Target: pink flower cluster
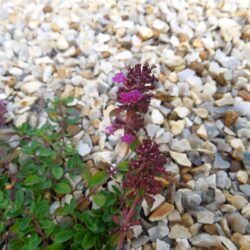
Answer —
(134, 98)
(142, 170)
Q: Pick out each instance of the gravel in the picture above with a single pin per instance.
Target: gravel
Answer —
(202, 53)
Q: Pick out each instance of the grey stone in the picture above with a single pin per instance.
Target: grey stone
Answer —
(246, 160)
(142, 240)
(222, 179)
(205, 217)
(194, 157)
(237, 222)
(191, 200)
(162, 245)
(158, 232)
(220, 163)
(205, 240)
(245, 189)
(212, 130)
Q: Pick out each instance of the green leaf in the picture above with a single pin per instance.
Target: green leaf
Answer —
(46, 152)
(1, 227)
(86, 175)
(25, 223)
(99, 199)
(88, 241)
(123, 166)
(63, 236)
(134, 144)
(34, 241)
(42, 208)
(55, 246)
(33, 179)
(57, 172)
(1, 195)
(110, 199)
(98, 179)
(62, 188)
(19, 197)
(44, 185)
(68, 100)
(74, 161)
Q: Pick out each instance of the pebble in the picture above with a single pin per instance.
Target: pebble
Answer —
(181, 158)
(162, 245)
(177, 127)
(159, 25)
(31, 87)
(201, 53)
(202, 132)
(245, 189)
(125, 55)
(161, 212)
(202, 113)
(220, 163)
(62, 43)
(182, 111)
(205, 217)
(226, 100)
(83, 149)
(138, 242)
(179, 232)
(158, 232)
(242, 176)
(237, 222)
(206, 240)
(152, 129)
(157, 117)
(145, 32)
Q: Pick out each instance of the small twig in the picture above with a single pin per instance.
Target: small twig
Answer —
(40, 231)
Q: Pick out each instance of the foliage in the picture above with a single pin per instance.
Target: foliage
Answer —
(37, 174)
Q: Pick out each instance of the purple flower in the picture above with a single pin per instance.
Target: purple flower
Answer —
(142, 170)
(141, 77)
(119, 78)
(128, 138)
(132, 96)
(110, 130)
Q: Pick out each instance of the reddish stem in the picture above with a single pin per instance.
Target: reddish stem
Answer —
(127, 220)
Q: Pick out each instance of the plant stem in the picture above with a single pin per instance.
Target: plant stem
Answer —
(127, 220)
(132, 208)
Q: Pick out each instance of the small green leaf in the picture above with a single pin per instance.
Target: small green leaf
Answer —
(42, 208)
(55, 246)
(33, 179)
(86, 174)
(64, 235)
(123, 166)
(99, 199)
(134, 144)
(62, 188)
(46, 152)
(1, 227)
(25, 223)
(34, 241)
(74, 162)
(19, 197)
(1, 195)
(98, 179)
(88, 241)
(57, 172)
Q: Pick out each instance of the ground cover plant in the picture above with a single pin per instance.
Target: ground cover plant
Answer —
(37, 171)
